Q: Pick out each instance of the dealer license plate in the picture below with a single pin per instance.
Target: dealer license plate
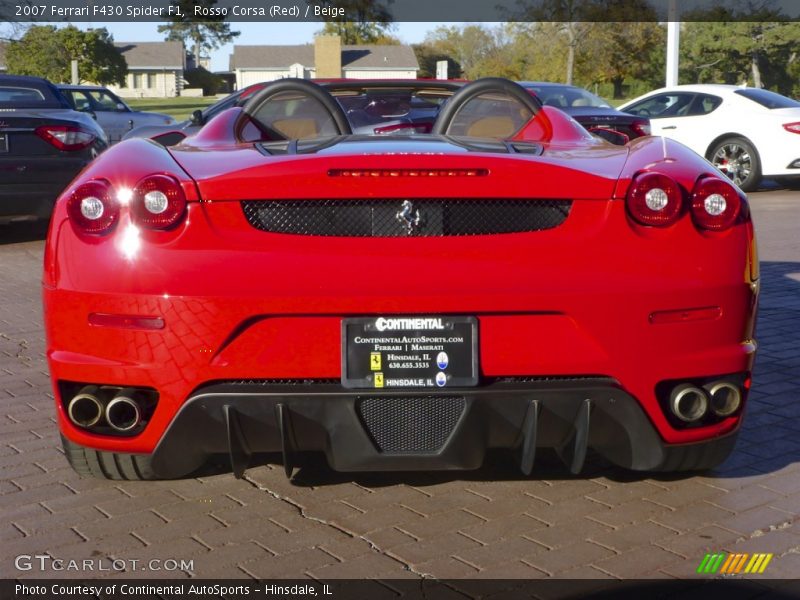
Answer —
(409, 352)
(3, 143)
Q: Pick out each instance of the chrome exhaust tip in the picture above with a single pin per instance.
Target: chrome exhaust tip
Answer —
(688, 402)
(726, 398)
(86, 408)
(123, 412)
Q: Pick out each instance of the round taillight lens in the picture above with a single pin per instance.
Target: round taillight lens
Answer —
(92, 207)
(716, 204)
(158, 202)
(654, 199)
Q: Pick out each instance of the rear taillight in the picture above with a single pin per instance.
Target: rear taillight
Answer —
(66, 137)
(716, 204)
(92, 207)
(158, 202)
(792, 127)
(654, 199)
(641, 127)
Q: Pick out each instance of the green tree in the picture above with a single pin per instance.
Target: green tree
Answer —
(363, 22)
(755, 52)
(428, 56)
(572, 19)
(201, 33)
(468, 46)
(625, 50)
(47, 51)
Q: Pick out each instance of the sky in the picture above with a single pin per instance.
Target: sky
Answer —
(253, 33)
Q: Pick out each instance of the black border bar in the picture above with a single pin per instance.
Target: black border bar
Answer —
(448, 11)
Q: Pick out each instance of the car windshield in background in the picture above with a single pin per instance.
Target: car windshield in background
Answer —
(19, 96)
(768, 99)
(566, 97)
(391, 110)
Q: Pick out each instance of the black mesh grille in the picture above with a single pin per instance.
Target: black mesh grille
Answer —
(405, 218)
(410, 424)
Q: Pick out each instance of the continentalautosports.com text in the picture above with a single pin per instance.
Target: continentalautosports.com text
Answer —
(43, 562)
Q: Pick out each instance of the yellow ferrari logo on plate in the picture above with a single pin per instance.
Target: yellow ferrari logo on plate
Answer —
(378, 380)
(375, 361)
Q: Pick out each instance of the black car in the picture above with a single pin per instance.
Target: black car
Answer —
(594, 113)
(43, 145)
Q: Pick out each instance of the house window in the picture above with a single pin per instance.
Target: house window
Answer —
(137, 80)
(149, 80)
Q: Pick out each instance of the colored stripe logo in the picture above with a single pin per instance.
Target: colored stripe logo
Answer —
(733, 564)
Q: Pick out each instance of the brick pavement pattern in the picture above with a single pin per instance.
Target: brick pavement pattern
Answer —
(492, 523)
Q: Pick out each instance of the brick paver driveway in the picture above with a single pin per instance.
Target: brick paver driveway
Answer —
(494, 523)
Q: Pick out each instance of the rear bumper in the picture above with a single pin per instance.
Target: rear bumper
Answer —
(29, 186)
(241, 304)
(356, 430)
(29, 199)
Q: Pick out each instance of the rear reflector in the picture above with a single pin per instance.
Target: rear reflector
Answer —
(408, 172)
(125, 321)
(685, 315)
(66, 137)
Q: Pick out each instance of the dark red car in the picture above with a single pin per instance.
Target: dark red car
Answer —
(591, 111)
(277, 284)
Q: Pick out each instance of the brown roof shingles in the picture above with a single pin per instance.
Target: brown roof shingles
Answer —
(160, 55)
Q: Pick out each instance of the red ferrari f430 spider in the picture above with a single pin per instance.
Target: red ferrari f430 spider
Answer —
(482, 273)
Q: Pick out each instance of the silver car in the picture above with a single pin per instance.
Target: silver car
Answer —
(112, 114)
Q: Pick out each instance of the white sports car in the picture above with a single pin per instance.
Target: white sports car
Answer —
(748, 133)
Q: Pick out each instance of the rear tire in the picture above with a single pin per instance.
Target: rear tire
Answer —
(738, 159)
(108, 465)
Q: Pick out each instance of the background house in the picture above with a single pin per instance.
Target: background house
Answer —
(324, 59)
(2, 57)
(155, 69)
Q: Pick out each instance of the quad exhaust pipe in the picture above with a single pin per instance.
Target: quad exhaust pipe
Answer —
(91, 407)
(86, 409)
(691, 403)
(123, 412)
(688, 402)
(726, 398)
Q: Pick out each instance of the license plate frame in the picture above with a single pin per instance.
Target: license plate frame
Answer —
(409, 352)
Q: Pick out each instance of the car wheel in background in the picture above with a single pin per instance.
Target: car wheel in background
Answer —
(738, 159)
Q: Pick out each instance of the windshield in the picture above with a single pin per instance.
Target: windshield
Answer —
(384, 111)
(566, 96)
(768, 99)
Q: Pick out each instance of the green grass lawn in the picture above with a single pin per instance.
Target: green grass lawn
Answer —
(179, 108)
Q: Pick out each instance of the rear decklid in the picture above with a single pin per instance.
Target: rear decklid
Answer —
(420, 167)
